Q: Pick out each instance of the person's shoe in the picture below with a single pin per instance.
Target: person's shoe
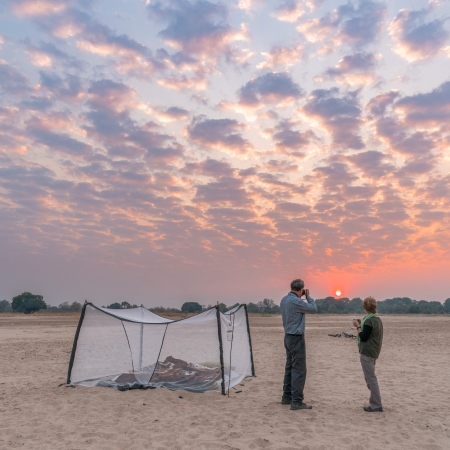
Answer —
(295, 406)
(370, 409)
(286, 400)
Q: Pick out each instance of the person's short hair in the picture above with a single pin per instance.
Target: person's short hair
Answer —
(370, 305)
(297, 285)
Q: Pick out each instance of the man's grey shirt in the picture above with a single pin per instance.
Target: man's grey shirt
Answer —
(293, 310)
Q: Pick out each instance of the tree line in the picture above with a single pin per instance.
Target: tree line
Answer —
(328, 305)
(28, 303)
(397, 305)
(266, 306)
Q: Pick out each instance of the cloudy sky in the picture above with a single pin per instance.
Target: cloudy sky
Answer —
(189, 150)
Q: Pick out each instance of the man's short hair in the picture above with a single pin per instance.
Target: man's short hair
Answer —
(370, 305)
(297, 285)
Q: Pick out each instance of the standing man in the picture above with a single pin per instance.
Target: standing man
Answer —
(293, 309)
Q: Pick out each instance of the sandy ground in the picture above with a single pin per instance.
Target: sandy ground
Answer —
(413, 372)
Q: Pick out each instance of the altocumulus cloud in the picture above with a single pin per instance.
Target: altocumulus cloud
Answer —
(221, 134)
(168, 138)
(415, 37)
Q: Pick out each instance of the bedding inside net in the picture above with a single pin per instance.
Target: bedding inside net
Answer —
(172, 373)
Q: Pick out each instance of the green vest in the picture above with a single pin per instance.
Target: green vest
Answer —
(372, 346)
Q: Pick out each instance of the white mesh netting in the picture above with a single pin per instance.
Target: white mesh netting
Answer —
(136, 348)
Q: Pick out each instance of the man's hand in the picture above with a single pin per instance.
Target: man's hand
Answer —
(356, 324)
(306, 292)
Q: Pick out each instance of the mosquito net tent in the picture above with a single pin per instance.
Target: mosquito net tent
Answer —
(135, 348)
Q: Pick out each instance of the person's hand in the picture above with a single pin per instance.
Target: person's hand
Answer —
(356, 324)
(306, 292)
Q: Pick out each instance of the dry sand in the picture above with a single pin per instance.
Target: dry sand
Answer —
(413, 372)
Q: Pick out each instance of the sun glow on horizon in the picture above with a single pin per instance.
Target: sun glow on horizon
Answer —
(338, 293)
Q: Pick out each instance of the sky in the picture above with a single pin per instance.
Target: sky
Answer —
(165, 151)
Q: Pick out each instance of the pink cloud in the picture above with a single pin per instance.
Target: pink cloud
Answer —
(198, 28)
(12, 81)
(415, 38)
(281, 56)
(290, 10)
(228, 191)
(355, 69)
(377, 105)
(30, 8)
(427, 109)
(339, 115)
(276, 88)
(347, 24)
(287, 139)
(220, 134)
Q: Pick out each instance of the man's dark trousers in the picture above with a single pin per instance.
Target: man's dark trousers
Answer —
(295, 372)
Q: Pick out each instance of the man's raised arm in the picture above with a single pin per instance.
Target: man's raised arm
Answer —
(306, 306)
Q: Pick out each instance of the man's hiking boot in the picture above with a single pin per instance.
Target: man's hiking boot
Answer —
(286, 400)
(370, 409)
(295, 406)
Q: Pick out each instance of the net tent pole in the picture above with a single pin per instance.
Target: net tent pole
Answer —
(141, 340)
(231, 352)
(249, 340)
(75, 341)
(219, 329)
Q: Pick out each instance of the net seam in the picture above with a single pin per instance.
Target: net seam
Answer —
(231, 352)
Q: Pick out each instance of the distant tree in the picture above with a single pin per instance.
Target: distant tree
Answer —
(76, 307)
(114, 306)
(28, 303)
(397, 305)
(355, 306)
(5, 306)
(252, 308)
(64, 307)
(268, 306)
(191, 307)
(332, 309)
(430, 307)
(324, 304)
(125, 305)
(447, 306)
(52, 309)
(162, 309)
(222, 307)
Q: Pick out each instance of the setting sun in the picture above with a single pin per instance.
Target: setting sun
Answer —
(338, 293)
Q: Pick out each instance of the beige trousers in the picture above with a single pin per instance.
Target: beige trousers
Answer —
(368, 367)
